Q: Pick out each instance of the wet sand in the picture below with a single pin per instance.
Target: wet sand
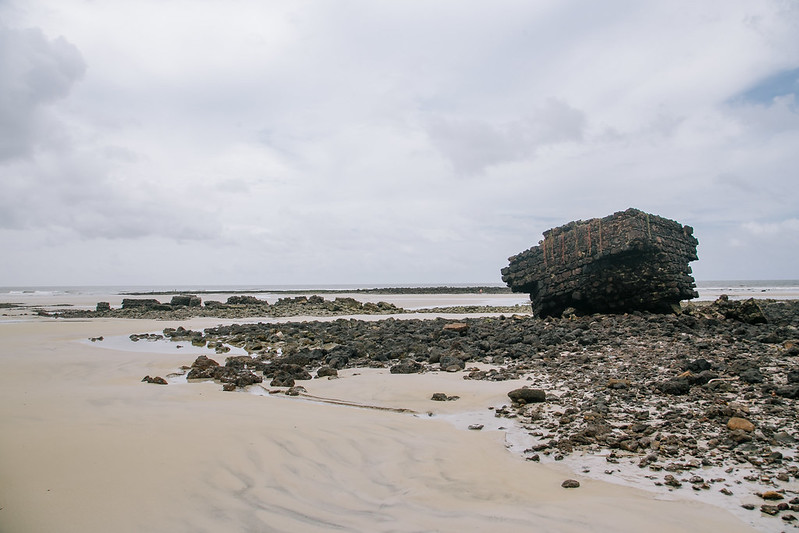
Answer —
(86, 446)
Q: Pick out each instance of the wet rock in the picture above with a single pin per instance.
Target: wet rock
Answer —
(570, 484)
(527, 395)
(769, 509)
(247, 378)
(186, 300)
(406, 366)
(245, 300)
(789, 391)
(457, 327)
(326, 371)
(451, 363)
(283, 379)
(675, 386)
(157, 380)
(748, 311)
(203, 368)
(737, 423)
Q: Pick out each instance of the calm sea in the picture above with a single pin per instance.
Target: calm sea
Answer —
(708, 290)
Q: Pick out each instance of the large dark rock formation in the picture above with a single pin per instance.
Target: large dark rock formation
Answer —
(628, 261)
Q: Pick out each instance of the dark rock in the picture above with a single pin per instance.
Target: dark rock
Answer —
(203, 368)
(751, 375)
(698, 365)
(528, 395)
(245, 300)
(247, 378)
(149, 304)
(457, 327)
(627, 261)
(102, 307)
(748, 311)
(789, 391)
(439, 397)
(158, 380)
(186, 300)
(451, 362)
(282, 379)
(326, 371)
(406, 366)
(675, 386)
(570, 484)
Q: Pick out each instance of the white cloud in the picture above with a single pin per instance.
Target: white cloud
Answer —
(781, 228)
(34, 71)
(389, 142)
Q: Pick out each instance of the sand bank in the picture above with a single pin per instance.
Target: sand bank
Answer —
(86, 446)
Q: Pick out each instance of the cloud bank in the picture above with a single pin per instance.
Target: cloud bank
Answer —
(391, 142)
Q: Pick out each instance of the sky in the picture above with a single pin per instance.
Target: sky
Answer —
(387, 142)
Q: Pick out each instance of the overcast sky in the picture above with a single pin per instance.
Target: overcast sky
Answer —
(398, 141)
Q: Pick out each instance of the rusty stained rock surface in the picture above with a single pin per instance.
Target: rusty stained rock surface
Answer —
(627, 261)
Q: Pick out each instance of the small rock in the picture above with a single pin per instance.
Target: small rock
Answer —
(570, 484)
(769, 509)
(476, 427)
(326, 371)
(614, 383)
(772, 495)
(740, 423)
(158, 380)
(457, 327)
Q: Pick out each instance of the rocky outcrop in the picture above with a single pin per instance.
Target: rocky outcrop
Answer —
(628, 261)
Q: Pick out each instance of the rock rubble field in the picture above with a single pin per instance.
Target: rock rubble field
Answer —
(712, 389)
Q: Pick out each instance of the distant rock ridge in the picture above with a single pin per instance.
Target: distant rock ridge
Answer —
(627, 261)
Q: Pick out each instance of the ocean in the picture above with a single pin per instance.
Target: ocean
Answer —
(708, 290)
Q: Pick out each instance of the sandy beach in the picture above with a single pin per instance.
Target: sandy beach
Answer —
(86, 446)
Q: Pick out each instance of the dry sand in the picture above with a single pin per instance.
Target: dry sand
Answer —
(85, 446)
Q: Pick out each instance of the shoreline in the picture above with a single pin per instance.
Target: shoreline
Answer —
(95, 446)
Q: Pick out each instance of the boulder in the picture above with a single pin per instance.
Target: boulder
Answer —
(186, 300)
(527, 395)
(628, 261)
